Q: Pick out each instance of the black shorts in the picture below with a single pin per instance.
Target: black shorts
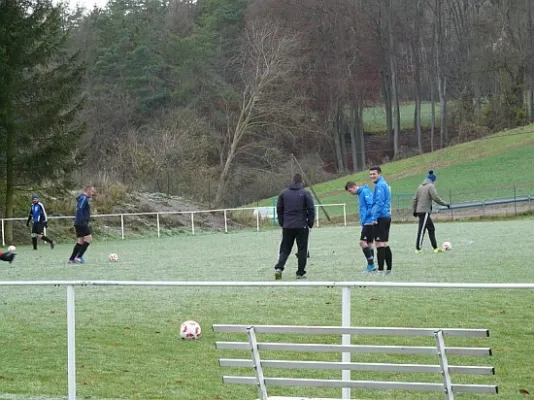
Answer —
(38, 228)
(381, 229)
(367, 233)
(82, 230)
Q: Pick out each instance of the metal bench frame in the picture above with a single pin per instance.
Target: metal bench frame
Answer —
(440, 350)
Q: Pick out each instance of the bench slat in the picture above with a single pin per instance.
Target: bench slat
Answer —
(375, 331)
(385, 367)
(422, 386)
(336, 348)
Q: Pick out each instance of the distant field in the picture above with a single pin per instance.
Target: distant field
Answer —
(375, 117)
(127, 340)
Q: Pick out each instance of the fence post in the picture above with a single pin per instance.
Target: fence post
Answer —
(515, 200)
(193, 223)
(225, 222)
(344, 214)
(346, 338)
(3, 234)
(450, 203)
(122, 226)
(71, 343)
(317, 217)
(257, 220)
(157, 223)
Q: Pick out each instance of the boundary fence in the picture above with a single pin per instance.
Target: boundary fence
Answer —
(346, 288)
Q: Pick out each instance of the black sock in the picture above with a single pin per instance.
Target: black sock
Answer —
(46, 239)
(34, 242)
(381, 253)
(368, 255)
(77, 248)
(389, 258)
(83, 249)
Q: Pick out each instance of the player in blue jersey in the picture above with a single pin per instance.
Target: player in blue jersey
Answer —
(40, 222)
(381, 217)
(81, 225)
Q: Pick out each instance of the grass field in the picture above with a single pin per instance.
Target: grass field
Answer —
(374, 118)
(127, 341)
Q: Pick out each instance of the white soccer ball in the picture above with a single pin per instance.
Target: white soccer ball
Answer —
(190, 330)
(12, 249)
(113, 257)
(447, 246)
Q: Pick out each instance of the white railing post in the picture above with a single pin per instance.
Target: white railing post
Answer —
(258, 221)
(3, 234)
(317, 217)
(71, 343)
(122, 226)
(345, 339)
(225, 223)
(193, 223)
(344, 214)
(157, 223)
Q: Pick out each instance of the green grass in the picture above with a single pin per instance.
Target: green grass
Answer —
(375, 117)
(127, 342)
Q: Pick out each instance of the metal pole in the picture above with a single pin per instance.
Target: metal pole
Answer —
(345, 339)
(450, 202)
(71, 345)
(3, 234)
(515, 200)
(157, 223)
(345, 214)
(225, 223)
(122, 226)
(257, 220)
(317, 217)
(193, 223)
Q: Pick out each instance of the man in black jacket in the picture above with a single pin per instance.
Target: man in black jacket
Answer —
(296, 215)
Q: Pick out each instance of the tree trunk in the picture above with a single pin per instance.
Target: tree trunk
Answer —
(337, 142)
(442, 79)
(432, 114)
(386, 94)
(417, 77)
(10, 184)
(353, 126)
(443, 132)
(361, 135)
(394, 95)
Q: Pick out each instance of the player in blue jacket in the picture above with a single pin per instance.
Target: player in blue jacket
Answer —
(381, 216)
(81, 225)
(365, 198)
(40, 222)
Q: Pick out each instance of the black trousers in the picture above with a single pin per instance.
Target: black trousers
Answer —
(426, 224)
(289, 236)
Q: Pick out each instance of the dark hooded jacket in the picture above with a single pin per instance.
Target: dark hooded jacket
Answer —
(295, 208)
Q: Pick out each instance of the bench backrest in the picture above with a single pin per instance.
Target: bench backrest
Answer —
(439, 350)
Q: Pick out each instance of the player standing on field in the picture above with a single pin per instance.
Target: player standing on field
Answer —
(296, 215)
(381, 217)
(40, 221)
(422, 207)
(81, 225)
(365, 198)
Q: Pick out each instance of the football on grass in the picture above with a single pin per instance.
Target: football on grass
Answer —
(447, 246)
(12, 249)
(113, 257)
(190, 330)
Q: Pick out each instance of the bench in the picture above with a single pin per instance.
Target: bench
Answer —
(439, 350)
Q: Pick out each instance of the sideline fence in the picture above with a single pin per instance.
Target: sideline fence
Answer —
(346, 288)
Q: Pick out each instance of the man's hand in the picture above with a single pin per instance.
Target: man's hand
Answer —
(27, 223)
(415, 214)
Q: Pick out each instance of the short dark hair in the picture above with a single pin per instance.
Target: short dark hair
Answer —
(376, 168)
(297, 178)
(350, 184)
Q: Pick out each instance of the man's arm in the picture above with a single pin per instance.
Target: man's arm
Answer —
(280, 210)
(378, 202)
(311, 209)
(29, 217)
(44, 217)
(434, 196)
(414, 203)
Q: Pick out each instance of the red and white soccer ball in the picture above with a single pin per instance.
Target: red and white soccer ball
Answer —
(113, 257)
(447, 246)
(12, 249)
(190, 330)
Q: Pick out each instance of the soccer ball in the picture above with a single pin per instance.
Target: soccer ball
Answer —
(190, 330)
(447, 246)
(113, 257)
(12, 249)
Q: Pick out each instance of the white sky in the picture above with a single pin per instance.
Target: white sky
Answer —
(88, 4)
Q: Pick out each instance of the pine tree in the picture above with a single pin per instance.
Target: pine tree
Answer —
(39, 95)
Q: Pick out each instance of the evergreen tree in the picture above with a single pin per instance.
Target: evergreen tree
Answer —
(39, 95)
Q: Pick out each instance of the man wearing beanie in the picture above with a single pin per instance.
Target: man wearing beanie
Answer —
(422, 207)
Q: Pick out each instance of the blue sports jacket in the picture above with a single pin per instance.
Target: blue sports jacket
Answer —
(365, 198)
(381, 200)
(83, 210)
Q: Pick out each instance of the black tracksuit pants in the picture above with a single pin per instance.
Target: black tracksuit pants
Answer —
(289, 236)
(425, 223)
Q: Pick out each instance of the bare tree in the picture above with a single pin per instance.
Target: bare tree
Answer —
(266, 64)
